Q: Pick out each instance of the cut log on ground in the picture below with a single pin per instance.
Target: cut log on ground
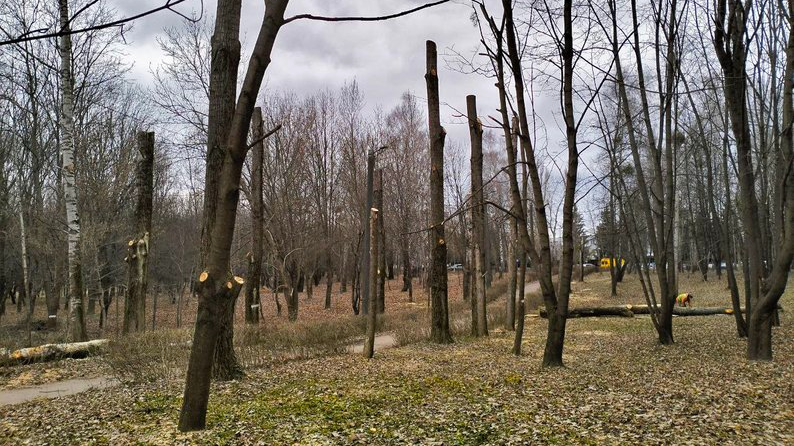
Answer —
(622, 311)
(631, 310)
(53, 352)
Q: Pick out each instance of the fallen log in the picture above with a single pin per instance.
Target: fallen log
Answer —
(53, 352)
(631, 310)
(622, 311)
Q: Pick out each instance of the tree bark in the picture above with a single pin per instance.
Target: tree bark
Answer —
(252, 289)
(77, 330)
(381, 259)
(374, 246)
(477, 216)
(212, 290)
(365, 267)
(138, 247)
(439, 328)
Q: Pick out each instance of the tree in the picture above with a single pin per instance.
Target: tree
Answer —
(730, 34)
(77, 330)
(478, 218)
(138, 247)
(252, 298)
(439, 328)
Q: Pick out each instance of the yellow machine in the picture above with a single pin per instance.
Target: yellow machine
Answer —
(606, 262)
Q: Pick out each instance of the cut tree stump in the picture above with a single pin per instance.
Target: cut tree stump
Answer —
(53, 352)
(631, 310)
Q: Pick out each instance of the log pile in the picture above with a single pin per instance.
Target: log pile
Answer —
(53, 352)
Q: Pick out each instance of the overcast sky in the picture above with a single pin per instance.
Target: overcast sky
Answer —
(386, 58)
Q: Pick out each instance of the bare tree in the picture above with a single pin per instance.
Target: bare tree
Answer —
(77, 330)
(439, 328)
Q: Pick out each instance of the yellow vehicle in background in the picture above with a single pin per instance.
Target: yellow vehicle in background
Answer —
(606, 262)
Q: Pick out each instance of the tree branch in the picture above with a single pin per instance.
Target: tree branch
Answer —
(43, 32)
(363, 19)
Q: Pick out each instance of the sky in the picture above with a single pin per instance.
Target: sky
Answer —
(385, 58)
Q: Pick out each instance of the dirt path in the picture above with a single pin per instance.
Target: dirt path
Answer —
(382, 342)
(54, 390)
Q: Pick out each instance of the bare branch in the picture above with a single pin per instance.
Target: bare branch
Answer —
(364, 19)
(44, 34)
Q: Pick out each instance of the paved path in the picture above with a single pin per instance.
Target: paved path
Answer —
(54, 390)
(382, 342)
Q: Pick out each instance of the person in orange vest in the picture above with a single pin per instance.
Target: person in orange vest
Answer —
(684, 300)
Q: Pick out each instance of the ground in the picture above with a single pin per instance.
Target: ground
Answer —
(619, 386)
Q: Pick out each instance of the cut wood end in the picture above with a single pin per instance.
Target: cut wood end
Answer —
(229, 285)
(729, 311)
(239, 280)
(131, 242)
(441, 241)
(203, 276)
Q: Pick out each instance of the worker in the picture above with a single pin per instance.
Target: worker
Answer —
(684, 300)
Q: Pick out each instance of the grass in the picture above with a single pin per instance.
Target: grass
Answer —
(619, 387)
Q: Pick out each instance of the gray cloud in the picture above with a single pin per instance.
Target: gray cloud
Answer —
(385, 58)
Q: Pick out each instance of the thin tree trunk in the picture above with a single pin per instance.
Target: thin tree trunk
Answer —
(365, 267)
(521, 308)
(512, 276)
(374, 246)
(25, 274)
(478, 216)
(252, 297)
(77, 332)
(381, 259)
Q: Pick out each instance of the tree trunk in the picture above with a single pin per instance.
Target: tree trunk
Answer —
(225, 366)
(364, 272)
(512, 276)
(25, 274)
(478, 216)
(439, 328)
(521, 308)
(213, 291)
(138, 247)
(374, 247)
(381, 259)
(77, 331)
(252, 289)
(329, 277)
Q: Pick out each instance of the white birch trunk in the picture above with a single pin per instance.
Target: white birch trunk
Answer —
(75, 295)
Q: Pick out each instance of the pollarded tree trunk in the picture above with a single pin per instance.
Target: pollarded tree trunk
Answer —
(138, 247)
(439, 328)
(77, 331)
(381, 230)
(252, 297)
(364, 272)
(477, 216)
(374, 247)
